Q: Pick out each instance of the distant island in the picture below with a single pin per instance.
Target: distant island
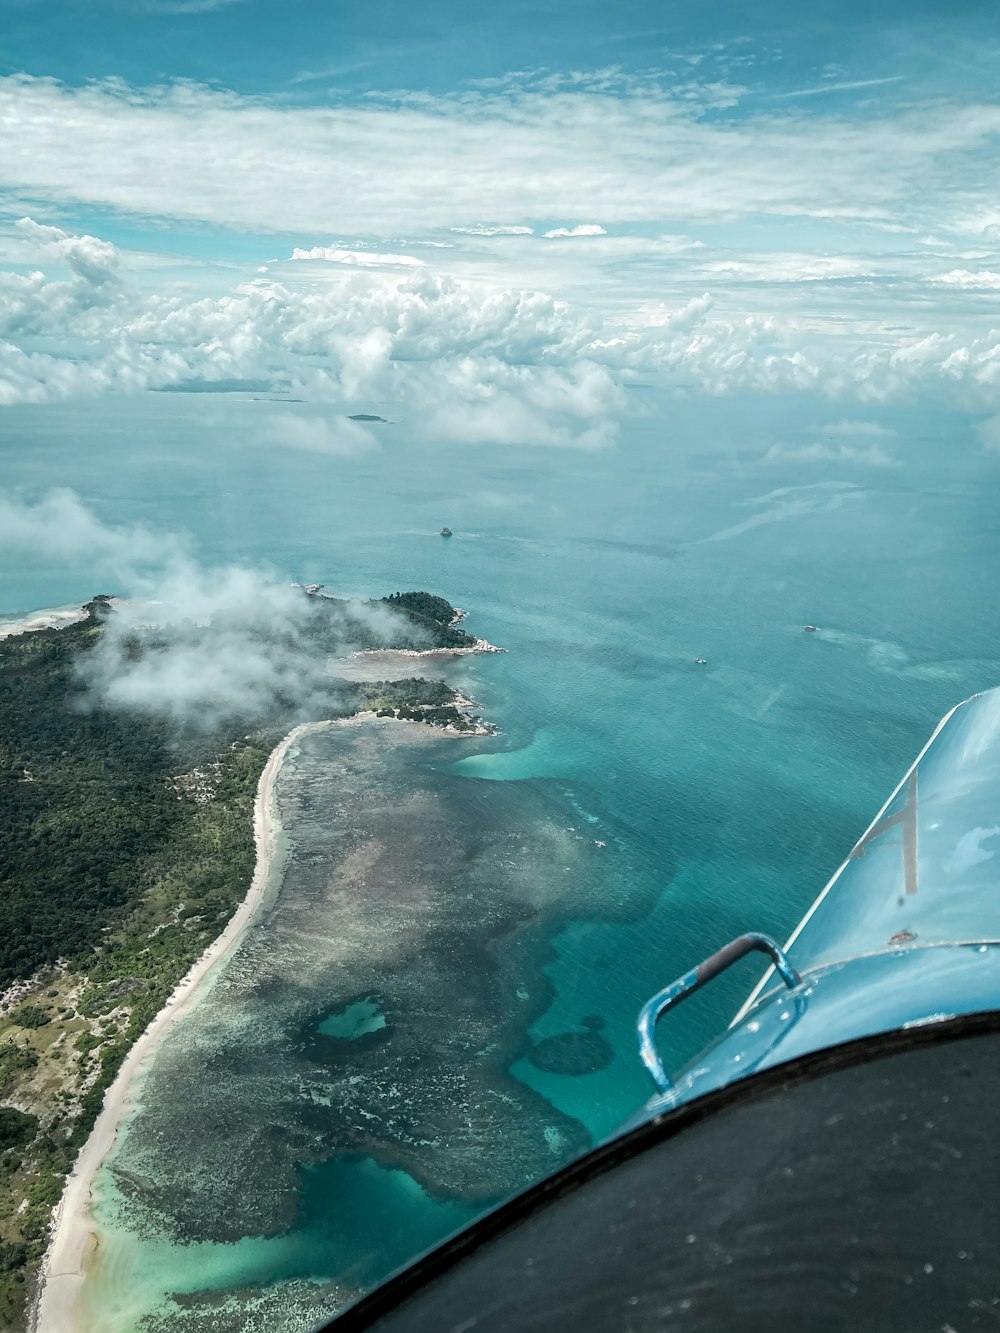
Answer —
(126, 845)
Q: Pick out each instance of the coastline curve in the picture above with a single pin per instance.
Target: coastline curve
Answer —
(72, 1238)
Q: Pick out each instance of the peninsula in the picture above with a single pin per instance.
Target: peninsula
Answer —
(135, 852)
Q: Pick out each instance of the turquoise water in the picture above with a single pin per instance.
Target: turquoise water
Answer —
(730, 790)
(354, 1021)
(392, 1218)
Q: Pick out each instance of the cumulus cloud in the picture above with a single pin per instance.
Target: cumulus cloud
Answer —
(584, 229)
(32, 303)
(452, 358)
(194, 644)
(93, 260)
(459, 361)
(985, 280)
(866, 323)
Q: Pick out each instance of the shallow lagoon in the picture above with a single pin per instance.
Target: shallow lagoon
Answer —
(342, 1094)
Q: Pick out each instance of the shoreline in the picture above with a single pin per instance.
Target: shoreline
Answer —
(73, 1239)
(52, 617)
(462, 703)
(480, 646)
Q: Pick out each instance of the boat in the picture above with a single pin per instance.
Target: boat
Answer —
(811, 629)
(831, 1160)
(446, 532)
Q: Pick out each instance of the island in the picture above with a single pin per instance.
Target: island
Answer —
(128, 850)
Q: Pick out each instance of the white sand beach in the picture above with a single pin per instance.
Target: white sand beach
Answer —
(73, 1239)
(56, 617)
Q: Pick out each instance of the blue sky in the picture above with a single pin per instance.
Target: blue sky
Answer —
(494, 220)
(265, 47)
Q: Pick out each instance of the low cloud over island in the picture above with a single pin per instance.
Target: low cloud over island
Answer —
(196, 644)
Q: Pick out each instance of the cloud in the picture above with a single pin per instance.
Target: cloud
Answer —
(32, 304)
(856, 308)
(358, 258)
(584, 229)
(848, 85)
(849, 428)
(471, 402)
(229, 641)
(985, 280)
(460, 362)
(871, 455)
(339, 438)
(850, 440)
(95, 261)
(414, 163)
(790, 268)
(457, 359)
(59, 528)
(480, 230)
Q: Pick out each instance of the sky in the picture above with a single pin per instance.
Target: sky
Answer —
(491, 222)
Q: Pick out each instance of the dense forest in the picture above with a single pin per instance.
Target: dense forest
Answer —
(88, 805)
(125, 846)
(432, 616)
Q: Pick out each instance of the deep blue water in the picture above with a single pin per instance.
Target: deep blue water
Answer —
(734, 788)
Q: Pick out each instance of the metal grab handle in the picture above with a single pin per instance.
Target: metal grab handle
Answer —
(691, 981)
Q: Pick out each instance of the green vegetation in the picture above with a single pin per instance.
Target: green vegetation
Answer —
(16, 1127)
(113, 881)
(424, 604)
(32, 1016)
(424, 621)
(124, 849)
(12, 1257)
(91, 814)
(431, 616)
(89, 817)
(15, 1060)
(415, 700)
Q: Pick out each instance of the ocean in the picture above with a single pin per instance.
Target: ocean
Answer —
(711, 797)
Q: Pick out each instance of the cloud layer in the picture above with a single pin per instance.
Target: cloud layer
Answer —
(500, 265)
(502, 156)
(456, 361)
